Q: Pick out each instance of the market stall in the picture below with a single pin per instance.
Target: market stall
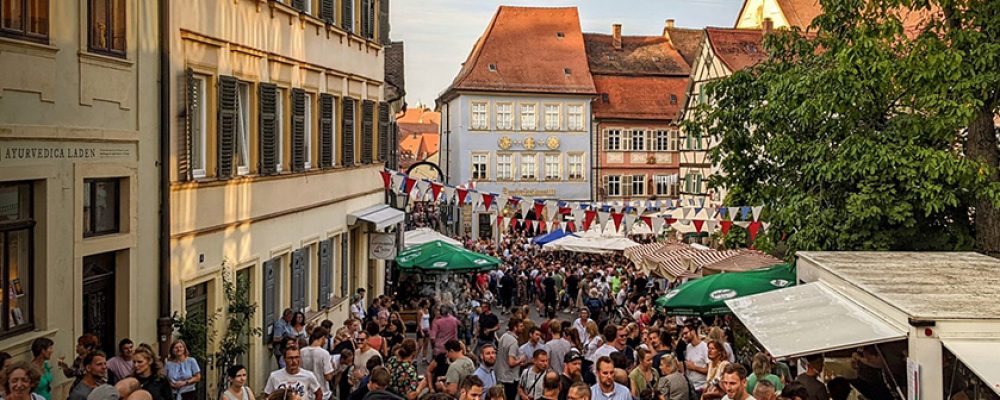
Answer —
(420, 236)
(707, 296)
(435, 264)
(594, 245)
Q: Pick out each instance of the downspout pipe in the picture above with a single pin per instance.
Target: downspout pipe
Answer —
(164, 323)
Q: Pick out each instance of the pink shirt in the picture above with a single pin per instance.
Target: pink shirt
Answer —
(442, 330)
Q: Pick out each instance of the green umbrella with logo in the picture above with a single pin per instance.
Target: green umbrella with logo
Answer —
(708, 295)
(441, 257)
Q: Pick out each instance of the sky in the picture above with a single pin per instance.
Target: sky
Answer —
(439, 34)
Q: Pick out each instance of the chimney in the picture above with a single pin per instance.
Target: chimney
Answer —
(670, 23)
(768, 26)
(616, 36)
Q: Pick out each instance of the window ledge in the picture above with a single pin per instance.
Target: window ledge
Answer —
(123, 64)
(28, 47)
(21, 343)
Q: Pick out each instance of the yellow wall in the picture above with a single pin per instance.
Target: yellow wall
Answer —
(755, 11)
(60, 95)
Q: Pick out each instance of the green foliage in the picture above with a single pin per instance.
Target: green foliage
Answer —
(851, 136)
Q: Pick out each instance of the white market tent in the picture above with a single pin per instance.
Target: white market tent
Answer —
(595, 245)
(425, 235)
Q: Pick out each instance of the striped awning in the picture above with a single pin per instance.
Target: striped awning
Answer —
(746, 260)
(684, 263)
(638, 254)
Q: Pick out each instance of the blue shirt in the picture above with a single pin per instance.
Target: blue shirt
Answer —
(282, 329)
(182, 371)
(621, 393)
(488, 377)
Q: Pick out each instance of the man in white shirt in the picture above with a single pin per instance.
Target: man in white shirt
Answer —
(696, 356)
(580, 324)
(294, 378)
(606, 388)
(611, 335)
(317, 359)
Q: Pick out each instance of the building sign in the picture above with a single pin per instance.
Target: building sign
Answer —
(529, 192)
(382, 246)
(24, 153)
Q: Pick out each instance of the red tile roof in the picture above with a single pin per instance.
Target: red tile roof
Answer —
(737, 48)
(420, 115)
(532, 49)
(686, 41)
(639, 97)
(639, 55)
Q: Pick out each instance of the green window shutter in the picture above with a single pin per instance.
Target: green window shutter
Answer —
(299, 5)
(298, 130)
(227, 125)
(325, 272)
(326, 103)
(347, 142)
(270, 294)
(347, 18)
(184, 141)
(383, 131)
(367, 131)
(327, 10)
(370, 18)
(267, 140)
(299, 260)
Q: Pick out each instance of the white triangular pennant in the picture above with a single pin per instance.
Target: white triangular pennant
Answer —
(526, 205)
(550, 211)
(685, 211)
(710, 225)
(743, 224)
(734, 213)
(629, 221)
(449, 193)
(602, 217)
(397, 182)
(657, 225)
(756, 211)
(684, 221)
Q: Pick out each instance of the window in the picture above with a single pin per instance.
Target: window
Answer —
(662, 141)
(344, 265)
(638, 185)
(638, 140)
(279, 131)
(505, 165)
(480, 162)
(692, 183)
(552, 167)
(551, 117)
(107, 27)
(529, 119)
(528, 167)
(27, 19)
(100, 206)
(333, 132)
(613, 140)
(575, 166)
(505, 117)
(666, 185)
(614, 185)
(480, 116)
(199, 127)
(243, 130)
(307, 138)
(16, 248)
(574, 118)
(675, 144)
(694, 141)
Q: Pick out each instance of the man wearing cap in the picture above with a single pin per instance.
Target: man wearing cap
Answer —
(572, 364)
(95, 372)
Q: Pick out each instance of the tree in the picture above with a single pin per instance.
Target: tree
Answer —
(865, 133)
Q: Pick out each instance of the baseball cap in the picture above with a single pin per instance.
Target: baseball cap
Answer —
(572, 355)
(103, 392)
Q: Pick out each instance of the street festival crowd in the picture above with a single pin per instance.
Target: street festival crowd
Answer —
(616, 346)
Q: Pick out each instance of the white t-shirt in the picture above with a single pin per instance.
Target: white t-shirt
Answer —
(318, 360)
(699, 356)
(304, 383)
(361, 359)
(749, 397)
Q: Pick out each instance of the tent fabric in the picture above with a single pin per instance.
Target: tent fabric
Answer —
(550, 237)
(746, 260)
(637, 254)
(420, 236)
(706, 296)
(590, 245)
(809, 319)
(381, 216)
(980, 356)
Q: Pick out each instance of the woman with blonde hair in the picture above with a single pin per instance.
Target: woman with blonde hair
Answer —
(182, 371)
(595, 341)
(19, 380)
(717, 362)
(149, 373)
(672, 384)
(716, 333)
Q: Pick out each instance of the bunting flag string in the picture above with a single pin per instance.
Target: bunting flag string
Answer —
(687, 215)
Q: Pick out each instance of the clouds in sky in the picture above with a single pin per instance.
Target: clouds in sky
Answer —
(439, 34)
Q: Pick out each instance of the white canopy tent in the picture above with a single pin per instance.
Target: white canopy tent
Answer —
(809, 319)
(595, 245)
(425, 235)
(980, 355)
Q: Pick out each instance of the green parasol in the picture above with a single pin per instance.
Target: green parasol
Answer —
(708, 295)
(441, 257)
